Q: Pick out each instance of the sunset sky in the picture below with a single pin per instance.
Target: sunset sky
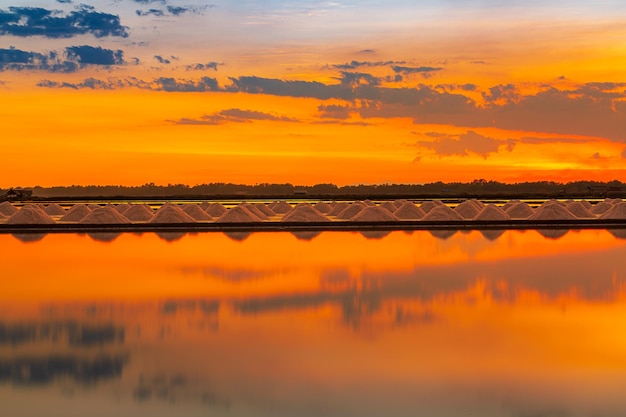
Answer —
(303, 91)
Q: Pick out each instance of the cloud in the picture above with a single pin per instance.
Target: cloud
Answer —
(162, 60)
(181, 85)
(202, 67)
(465, 144)
(150, 12)
(95, 84)
(234, 115)
(423, 71)
(74, 58)
(334, 111)
(36, 21)
(166, 84)
(355, 79)
(89, 55)
(150, 1)
(172, 10)
(358, 64)
(64, 1)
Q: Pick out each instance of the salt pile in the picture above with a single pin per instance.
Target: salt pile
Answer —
(215, 210)
(238, 214)
(254, 210)
(282, 207)
(579, 210)
(552, 211)
(351, 211)
(467, 209)
(601, 208)
(429, 205)
(338, 208)
(94, 206)
(304, 213)
(389, 205)
(409, 211)
(7, 208)
(374, 214)
(205, 205)
(171, 213)
(54, 210)
(197, 213)
(76, 213)
(29, 215)
(520, 210)
(509, 204)
(492, 212)
(369, 203)
(139, 213)
(442, 213)
(264, 209)
(323, 208)
(121, 208)
(104, 215)
(587, 204)
(400, 203)
(617, 212)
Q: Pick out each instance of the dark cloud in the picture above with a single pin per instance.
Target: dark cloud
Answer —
(355, 79)
(465, 144)
(150, 12)
(150, 1)
(64, 1)
(538, 141)
(36, 21)
(171, 10)
(367, 51)
(234, 115)
(334, 111)
(159, 84)
(202, 67)
(89, 55)
(358, 64)
(162, 60)
(423, 71)
(181, 85)
(95, 84)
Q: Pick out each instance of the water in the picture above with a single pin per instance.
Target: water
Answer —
(334, 324)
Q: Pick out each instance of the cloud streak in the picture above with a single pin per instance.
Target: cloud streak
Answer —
(73, 59)
(235, 116)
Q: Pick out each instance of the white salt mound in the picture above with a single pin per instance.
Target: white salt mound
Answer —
(351, 211)
(265, 209)
(601, 208)
(374, 214)
(409, 211)
(520, 210)
(338, 208)
(104, 215)
(442, 213)
(139, 213)
(429, 205)
(215, 210)
(171, 213)
(467, 209)
(553, 211)
(76, 213)
(237, 214)
(54, 210)
(282, 207)
(389, 205)
(196, 212)
(579, 210)
(617, 212)
(492, 212)
(304, 213)
(7, 208)
(29, 215)
(254, 210)
(323, 208)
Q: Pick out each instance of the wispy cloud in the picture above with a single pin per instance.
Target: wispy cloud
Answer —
(71, 60)
(235, 116)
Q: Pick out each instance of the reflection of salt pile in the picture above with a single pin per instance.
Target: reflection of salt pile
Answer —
(552, 211)
(579, 210)
(104, 215)
(104, 237)
(237, 214)
(443, 234)
(76, 213)
(305, 235)
(171, 213)
(442, 213)
(282, 207)
(215, 210)
(29, 214)
(618, 233)
(468, 209)
(617, 212)
(54, 210)
(520, 210)
(375, 234)
(492, 234)
(374, 214)
(351, 211)
(196, 212)
(254, 210)
(492, 212)
(323, 208)
(338, 208)
(409, 211)
(28, 237)
(601, 208)
(7, 209)
(171, 236)
(429, 205)
(139, 213)
(304, 213)
(553, 233)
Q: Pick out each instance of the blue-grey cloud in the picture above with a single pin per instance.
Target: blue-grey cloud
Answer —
(335, 111)
(355, 79)
(201, 67)
(181, 85)
(89, 55)
(74, 58)
(150, 12)
(167, 84)
(162, 60)
(172, 10)
(234, 115)
(64, 1)
(150, 1)
(423, 71)
(95, 84)
(358, 64)
(36, 21)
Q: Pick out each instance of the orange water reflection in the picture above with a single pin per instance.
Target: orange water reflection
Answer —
(517, 324)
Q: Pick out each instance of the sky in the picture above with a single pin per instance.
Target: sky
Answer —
(305, 92)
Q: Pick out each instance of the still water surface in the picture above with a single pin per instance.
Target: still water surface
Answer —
(334, 324)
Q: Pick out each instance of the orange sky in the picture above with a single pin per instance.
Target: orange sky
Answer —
(312, 93)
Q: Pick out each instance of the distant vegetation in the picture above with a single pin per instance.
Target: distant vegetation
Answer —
(477, 188)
